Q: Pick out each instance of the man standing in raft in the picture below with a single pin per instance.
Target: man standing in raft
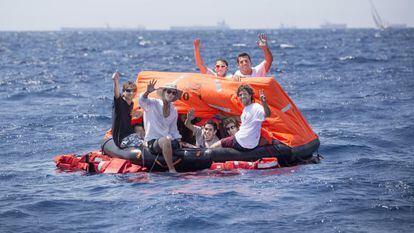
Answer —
(245, 64)
(220, 69)
(122, 131)
(252, 117)
(160, 120)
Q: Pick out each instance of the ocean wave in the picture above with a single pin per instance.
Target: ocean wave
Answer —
(362, 59)
(14, 214)
(239, 45)
(287, 46)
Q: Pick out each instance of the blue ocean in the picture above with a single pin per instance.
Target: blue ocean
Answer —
(355, 88)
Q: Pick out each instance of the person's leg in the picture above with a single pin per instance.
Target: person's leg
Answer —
(224, 142)
(166, 148)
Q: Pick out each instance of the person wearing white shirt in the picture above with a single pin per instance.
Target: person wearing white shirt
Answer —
(252, 117)
(160, 120)
(244, 62)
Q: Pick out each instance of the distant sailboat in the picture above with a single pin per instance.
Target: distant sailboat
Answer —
(380, 23)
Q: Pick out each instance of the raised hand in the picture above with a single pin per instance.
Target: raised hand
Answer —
(262, 95)
(115, 76)
(151, 86)
(262, 42)
(196, 42)
(190, 114)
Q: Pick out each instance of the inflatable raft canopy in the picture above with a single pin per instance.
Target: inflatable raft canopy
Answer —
(210, 96)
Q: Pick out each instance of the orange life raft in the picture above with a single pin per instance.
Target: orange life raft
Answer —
(291, 139)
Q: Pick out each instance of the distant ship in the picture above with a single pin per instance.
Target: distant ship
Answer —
(107, 28)
(380, 23)
(283, 26)
(328, 25)
(220, 26)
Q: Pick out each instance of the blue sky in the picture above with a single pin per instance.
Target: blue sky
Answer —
(161, 14)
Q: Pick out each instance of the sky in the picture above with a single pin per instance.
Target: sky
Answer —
(38, 15)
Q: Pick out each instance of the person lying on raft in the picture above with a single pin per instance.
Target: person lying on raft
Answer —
(122, 131)
(160, 120)
(206, 135)
(137, 138)
(244, 62)
(139, 129)
(252, 117)
(221, 67)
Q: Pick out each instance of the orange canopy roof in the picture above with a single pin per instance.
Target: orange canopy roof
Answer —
(210, 95)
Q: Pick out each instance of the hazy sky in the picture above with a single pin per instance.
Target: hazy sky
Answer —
(161, 14)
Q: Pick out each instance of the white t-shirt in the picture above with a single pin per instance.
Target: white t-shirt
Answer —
(257, 71)
(210, 71)
(156, 125)
(252, 118)
(200, 140)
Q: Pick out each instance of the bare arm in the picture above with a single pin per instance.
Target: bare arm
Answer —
(199, 60)
(115, 78)
(264, 103)
(150, 88)
(190, 117)
(262, 42)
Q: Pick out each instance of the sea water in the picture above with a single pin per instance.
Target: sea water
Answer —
(355, 88)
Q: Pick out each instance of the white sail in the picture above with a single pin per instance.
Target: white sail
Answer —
(379, 23)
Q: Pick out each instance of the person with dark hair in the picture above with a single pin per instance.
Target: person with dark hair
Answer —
(122, 131)
(231, 126)
(206, 135)
(252, 117)
(160, 120)
(244, 62)
(221, 68)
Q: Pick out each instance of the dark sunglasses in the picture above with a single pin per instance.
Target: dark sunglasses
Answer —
(129, 90)
(222, 66)
(171, 92)
(230, 127)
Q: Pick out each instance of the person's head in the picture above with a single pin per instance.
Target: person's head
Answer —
(128, 90)
(210, 130)
(244, 63)
(231, 126)
(221, 67)
(169, 92)
(139, 129)
(245, 94)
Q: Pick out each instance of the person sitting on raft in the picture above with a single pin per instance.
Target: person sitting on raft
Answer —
(252, 117)
(221, 67)
(122, 131)
(160, 120)
(206, 135)
(244, 62)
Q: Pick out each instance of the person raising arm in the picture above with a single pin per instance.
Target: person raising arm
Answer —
(244, 62)
(220, 69)
(160, 120)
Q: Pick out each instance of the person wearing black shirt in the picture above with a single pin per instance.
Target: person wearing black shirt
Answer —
(122, 110)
